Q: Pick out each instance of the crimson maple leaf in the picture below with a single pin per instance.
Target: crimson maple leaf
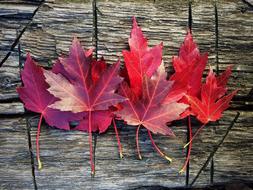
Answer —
(36, 98)
(140, 60)
(189, 66)
(150, 110)
(213, 99)
(211, 104)
(86, 87)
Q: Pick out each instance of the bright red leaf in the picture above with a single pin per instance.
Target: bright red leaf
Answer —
(213, 99)
(189, 66)
(150, 110)
(89, 89)
(140, 60)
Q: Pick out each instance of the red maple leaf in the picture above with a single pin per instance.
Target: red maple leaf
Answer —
(211, 104)
(86, 87)
(140, 60)
(36, 98)
(150, 110)
(213, 100)
(189, 66)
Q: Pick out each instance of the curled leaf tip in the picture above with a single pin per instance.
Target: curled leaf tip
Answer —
(187, 144)
(181, 171)
(168, 158)
(92, 173)
(121, 155)
(39, 165)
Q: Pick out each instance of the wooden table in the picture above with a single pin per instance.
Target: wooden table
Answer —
(223, 28)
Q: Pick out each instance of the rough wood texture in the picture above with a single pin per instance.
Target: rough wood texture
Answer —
(10, 77)
(53, 29)
(13, 18)
(130, 173)
(11, 108)
(69, 161)
(236, 43)
(159, 21)
(65, 158)
(15, 161)
(234, 160)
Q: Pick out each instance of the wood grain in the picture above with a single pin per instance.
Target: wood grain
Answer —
(159, 21)
(236, 43)
(65, 158)
(15, 164)
(54, 27)
(14, 15)
(130, 173)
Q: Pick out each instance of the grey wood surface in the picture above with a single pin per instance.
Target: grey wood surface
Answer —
(65, 153)
(15, 160)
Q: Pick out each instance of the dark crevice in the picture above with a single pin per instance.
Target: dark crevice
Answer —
(28, 128)
(217, 73)
(216, 38)
(187, 175)
(95, 28)
(94, 148)
(211, 171)
(250, 5)
(190, 15)
(20, 34)
(95, 44)
(13, 115)
(215, 149)
(10, 100)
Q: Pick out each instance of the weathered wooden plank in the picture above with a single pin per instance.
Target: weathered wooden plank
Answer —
(15, 161)
(203, 28)
(11, 108)
(234, 160)
(65, 158)
(53, 28)
(236, 43)
(9, 77)
(130, 172)
(161, 21)
(227, 160)
(14, 16)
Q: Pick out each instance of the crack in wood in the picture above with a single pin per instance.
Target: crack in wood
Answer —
(95, 27)
(28, 128)
(215, 149)
(20, 34)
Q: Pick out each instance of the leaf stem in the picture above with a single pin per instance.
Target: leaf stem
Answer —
(137, 142)
(157, 148)
(197, 132)
(37, 144)
(189, 148)
(118, 138)
(91, 151)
